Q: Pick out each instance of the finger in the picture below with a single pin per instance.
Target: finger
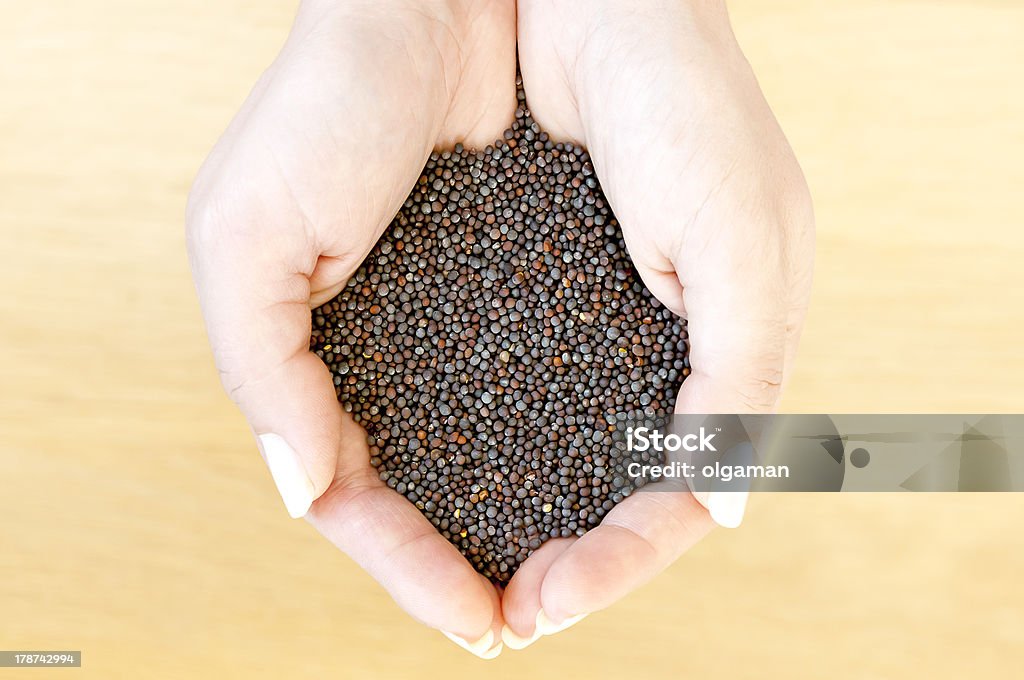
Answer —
(497, 625)
(636, 540)
(387, 536)
(738, 342)
(745, 325)
(521, 601)
(424, 573)
(254, 291)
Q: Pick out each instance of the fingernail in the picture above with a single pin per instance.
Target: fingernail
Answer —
(548, 627)
(514, 641)
(481, 648)
(727, 507)
(289, 474)
(493, 654)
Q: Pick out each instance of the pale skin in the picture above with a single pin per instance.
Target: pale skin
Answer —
(712, 203)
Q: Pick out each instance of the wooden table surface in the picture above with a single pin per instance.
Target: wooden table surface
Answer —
(138, 524)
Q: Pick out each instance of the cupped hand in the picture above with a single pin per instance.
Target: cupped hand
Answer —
(716, 217)
(292, 198)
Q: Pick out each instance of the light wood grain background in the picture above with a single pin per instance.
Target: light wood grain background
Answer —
(138, 524)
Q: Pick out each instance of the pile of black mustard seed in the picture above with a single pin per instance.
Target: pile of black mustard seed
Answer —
(490, 338)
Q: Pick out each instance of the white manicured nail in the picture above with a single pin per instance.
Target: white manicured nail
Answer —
(727, 507)
(481, 648)
(493, 654)
(289, 474)
(514, 641)
(548, 627)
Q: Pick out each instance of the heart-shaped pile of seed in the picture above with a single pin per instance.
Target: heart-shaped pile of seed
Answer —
(490, 338)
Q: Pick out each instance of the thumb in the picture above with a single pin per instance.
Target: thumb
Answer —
(738, 346)
(297, 429)
(253, 286)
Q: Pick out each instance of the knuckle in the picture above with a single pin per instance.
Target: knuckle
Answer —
(233, 384)
(760, 393)
(216, 212)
